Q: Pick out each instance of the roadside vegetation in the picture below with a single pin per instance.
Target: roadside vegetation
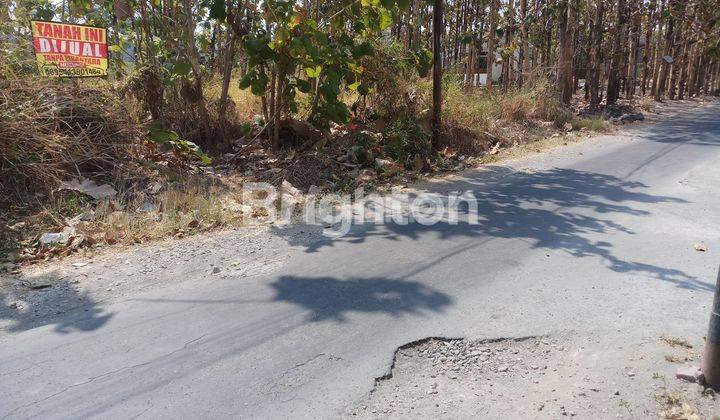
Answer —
(203, 96)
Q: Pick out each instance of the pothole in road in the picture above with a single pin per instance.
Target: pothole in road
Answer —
(534, 377)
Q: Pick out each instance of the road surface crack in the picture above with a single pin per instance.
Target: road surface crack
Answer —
(104, 375)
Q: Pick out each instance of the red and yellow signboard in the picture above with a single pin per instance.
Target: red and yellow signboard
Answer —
(68, 50)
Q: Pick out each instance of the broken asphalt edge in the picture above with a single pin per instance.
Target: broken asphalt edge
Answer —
(389, 371)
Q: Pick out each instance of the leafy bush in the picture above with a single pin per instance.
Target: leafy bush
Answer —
(177, 144)
(405, 139)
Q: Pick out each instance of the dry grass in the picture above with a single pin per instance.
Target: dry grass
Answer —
(177, 212)
(674, 407)
(51, 131)
(57, 131)
(592, 123)
(475, 120)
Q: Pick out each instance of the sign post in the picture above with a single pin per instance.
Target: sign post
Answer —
(70, 50)
(711, 358)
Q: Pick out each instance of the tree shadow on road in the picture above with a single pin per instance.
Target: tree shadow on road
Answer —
(697, 127)
(48, 299)
(559, 209)
(330, 299)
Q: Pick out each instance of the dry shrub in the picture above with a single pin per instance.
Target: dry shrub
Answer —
(467, 120)
(395, 82)
(178, 106)
(51, 131)
(475, 120)
(517, 108)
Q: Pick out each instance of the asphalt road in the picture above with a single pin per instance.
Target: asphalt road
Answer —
(596, 237)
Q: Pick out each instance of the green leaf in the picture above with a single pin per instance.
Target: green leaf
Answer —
(217, 10)
(423, 60)
(363, 49)
(247, 80)
(246, 129)
(314, 71)
(180, 145)
(181, 69)
(259, 85)
(385, 19)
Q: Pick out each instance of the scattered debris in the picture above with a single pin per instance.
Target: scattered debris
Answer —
(690, 374)
(701, 247)
(17, 226)
(630, 118)
(89, 187)
(53, 238)
(676, 342)
(287, 188)
(37, 284)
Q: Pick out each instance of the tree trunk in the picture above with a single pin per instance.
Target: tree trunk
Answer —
(613, 89)
(523, 43)
(437, 71)
(684, 69)
(193, 57)
(227, 73)
(634, 51)
(648, 45)
(657, 62)
(664, 65)
(565, 73)
(508, 61)
(491, 44)
(597, 54)
(676, 53)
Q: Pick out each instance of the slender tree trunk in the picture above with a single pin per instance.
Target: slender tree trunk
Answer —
(565, 67)
(509, 32)
(227, 73)
(634, 51)
(677, 51)
(437, 71)
(597, 61)
(613, 89)
(193, 56)
(664, 64)
(657, 62)
(706, 76)
(491, 44)
(411, 23)
(695, 57)
(648, 45)
(684, 69)
(523, 43)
